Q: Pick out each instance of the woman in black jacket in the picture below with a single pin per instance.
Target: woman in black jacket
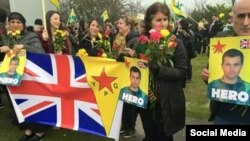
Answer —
(88, 40)
(168, 116)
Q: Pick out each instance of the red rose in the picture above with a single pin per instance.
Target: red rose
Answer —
(155, 36)
(143, 39)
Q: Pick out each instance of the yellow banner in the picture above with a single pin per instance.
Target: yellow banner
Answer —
(12, 67)
(107, 77)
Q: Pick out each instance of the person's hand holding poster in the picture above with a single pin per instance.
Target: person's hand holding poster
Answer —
(12, 68)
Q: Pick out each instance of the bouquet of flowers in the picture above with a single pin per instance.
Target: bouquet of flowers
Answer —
(158, 48)
(14, 37)
(103, 47)
(58, 42)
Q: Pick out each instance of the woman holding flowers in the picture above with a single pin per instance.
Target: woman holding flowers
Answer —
(23, 38)
(55, 39)
(124, 45)
(89, 40)
(127, 38)
(166, 115)
(19, 38)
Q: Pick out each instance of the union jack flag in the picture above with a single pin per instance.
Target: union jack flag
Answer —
(54, 91)
(245, 44)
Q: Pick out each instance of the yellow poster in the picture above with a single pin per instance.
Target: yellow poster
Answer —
(12, 68)
(135, 91)
(229, 68)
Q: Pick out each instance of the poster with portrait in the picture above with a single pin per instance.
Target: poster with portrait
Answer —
(229, 68)
(136, 78)
(12, 68)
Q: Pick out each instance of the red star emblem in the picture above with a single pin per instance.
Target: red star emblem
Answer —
(127, 63)
(218, 48)
(104, 80)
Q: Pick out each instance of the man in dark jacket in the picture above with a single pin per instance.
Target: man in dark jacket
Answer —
(222, 113)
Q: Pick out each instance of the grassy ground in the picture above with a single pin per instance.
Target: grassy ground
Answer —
(197, 109)
(196, 91)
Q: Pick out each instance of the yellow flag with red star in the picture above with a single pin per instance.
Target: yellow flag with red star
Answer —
(106, 77)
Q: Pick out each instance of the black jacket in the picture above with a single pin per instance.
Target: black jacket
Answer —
(89, 46)
(171, 93)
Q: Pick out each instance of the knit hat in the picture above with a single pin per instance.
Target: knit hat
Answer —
(17, 16)
(38, 22)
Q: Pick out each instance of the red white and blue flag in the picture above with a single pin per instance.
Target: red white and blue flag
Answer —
(245, 44)
(54, 91)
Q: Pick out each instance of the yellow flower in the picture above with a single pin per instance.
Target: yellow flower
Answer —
(18, 32)
(63, 34)
(13, 33)
(100, 35)
(164, 33)
(82, 53)
(104, 55)
(221, 15)
(230, 14)
(9, 32)
(93, 39)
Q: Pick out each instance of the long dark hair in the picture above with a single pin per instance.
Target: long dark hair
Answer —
(89, 23)
(150, 13)
(48, 16)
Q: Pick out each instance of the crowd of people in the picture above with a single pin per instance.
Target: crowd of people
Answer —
(168, 116)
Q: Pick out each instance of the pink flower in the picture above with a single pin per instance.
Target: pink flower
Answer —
(158, 27)
(143, 39)
(152, 30)
(155, 36)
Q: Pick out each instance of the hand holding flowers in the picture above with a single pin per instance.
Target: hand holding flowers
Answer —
(59, 39)
(14, 46)
(14, 37)
(158, 48)
(103, 47)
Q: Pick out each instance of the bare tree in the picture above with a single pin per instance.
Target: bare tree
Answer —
(233, 1)
(87, 9)
(134, 7)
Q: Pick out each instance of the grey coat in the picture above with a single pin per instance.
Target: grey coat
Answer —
(30, 41)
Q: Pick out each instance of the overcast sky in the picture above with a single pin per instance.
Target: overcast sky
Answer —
(187, 4)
